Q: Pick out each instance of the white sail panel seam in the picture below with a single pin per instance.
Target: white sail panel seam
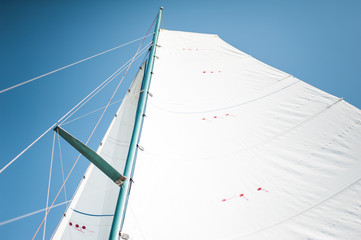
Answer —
(302, 212)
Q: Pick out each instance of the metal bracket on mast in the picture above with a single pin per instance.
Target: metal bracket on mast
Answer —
(92, 156)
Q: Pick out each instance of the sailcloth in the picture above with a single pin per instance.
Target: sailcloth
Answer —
(90, 214)
(236, 149)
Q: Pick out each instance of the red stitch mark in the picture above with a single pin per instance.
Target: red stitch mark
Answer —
(219, 71)
(203, 119)
(215, 117)
(79, 230)
(227, 114)
(242, 195)
(70, 223)
(204, 71)
(196, 49)
(259, 189)
(83, 227)
(225, 199)
(211, 72)
(76, 225)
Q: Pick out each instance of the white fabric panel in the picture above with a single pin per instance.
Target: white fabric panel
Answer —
(94, 203)
(235, 149)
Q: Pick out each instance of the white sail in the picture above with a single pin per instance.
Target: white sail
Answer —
(90, 214)
(235, 149)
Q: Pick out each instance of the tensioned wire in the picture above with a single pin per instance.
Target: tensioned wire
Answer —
(62, 168)
(42, 210)
(31, 214)
(133, 59)
(87, 98)
(112, 77)
(94, 111)
(64, 122)
(49, 182)
(72, 64)
(76, 161)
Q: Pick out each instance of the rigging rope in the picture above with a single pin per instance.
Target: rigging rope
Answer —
(30, 214)
(47, 212)
(42, 210)
(49, 182)
(72, 64)
(111, 78)
(62, 169)
(64, 116)
(64, 123)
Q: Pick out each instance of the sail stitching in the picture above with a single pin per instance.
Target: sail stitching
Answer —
(229, 107)
(275, 136)
(93, 215)
(302, 212)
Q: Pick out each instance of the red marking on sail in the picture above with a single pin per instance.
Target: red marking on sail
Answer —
(83, 227)
(70, 223)
(259, 189)
(211, 71)
(79, 230)
(242, 195)
(76, 225)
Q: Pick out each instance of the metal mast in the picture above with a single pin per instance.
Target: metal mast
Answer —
(122, 202)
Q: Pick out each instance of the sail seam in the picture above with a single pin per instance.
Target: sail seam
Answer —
(93, 215)
(302, 212)
(270, 138)
(233, 106)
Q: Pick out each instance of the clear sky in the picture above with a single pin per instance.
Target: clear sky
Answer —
(315, 41)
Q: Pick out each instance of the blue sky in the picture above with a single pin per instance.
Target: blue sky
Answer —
(315, 41)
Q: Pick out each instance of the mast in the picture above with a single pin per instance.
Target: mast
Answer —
(122, 202)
